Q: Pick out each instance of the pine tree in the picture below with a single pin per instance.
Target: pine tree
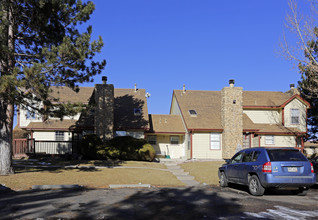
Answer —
(309, 85)
(41, 46)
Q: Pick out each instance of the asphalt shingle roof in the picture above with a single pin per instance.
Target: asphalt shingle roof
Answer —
(166, 124)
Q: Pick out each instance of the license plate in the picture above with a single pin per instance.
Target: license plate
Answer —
(292, 169)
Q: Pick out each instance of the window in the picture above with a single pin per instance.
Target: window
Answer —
(285, 155)
(137, 111)
(269, 140)
(237, 158)
(255, 156)
(152, 139)
(248, 156)
(294, 116)
(174, 139)
(120, 133)
(59, 136)
(192, 112)
(215, 141)
(30, 115)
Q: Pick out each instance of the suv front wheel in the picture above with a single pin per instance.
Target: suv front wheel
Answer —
(255, 187)
(223, 180)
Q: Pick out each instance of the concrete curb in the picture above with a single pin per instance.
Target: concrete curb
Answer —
(118, 186)
(44, 187)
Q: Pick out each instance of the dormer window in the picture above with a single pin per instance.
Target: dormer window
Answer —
(137, 111)
(192, 112)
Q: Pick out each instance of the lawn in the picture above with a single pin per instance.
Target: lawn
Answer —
(203, 171)
(92, 178)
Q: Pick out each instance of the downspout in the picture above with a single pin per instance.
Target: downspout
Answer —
(191, 147)
(283, 116)
(302, 144)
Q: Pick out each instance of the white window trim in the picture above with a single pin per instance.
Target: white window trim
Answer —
(269, 140)
(215, 140)
(294, 116)
(59, 135)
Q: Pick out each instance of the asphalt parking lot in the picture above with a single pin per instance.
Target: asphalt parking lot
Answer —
(201, 202)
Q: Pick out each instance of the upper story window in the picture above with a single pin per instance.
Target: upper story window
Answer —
(215, 141)
(30, 115)
(294, 113)
(59, 135)
(192, 112)
(269, 140)
(137, 111)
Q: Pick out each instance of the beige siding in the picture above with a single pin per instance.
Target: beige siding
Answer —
(264, 116)
(280, 141)
(52, 148)
(255, 142)
(163, 146)
(23, 118)
(201, 147)
(296, 104)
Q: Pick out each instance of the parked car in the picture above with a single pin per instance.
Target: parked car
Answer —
(314, 162)
(264, 168)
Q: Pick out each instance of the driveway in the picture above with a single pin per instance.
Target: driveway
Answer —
(201, 202)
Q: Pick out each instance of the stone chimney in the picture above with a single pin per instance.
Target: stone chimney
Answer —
(293, 91)
(104, 110)
(232, 119)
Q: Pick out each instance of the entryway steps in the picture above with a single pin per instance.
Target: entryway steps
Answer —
(175, 169)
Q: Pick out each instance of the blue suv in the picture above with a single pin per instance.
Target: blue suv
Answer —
(261, 168)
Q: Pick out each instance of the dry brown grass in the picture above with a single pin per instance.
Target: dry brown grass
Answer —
(204, 172)
(92, 178)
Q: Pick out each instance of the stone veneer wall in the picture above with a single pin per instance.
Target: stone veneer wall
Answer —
(104, 111)
(232, 120)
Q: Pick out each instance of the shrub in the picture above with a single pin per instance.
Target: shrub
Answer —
(90, 147)
(147, 152)
(129, 148)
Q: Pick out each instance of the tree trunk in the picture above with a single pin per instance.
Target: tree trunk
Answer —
(6, 106)
(6, 111)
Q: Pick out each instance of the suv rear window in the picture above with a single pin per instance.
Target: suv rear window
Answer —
(285, 155)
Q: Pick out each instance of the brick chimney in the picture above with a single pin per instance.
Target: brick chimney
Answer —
(232, 119)
(104, 110)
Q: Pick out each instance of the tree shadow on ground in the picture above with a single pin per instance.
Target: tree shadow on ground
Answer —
(174, 203)
(155, 203)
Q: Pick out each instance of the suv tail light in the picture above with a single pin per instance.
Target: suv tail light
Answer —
(267, 167)
(312, 168)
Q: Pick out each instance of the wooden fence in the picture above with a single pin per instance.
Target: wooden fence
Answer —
(22, 147)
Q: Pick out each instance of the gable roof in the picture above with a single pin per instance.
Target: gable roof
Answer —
(207, 104)
(126, 101)
(166, 124)
(65, 94)
(264, 98)
(52, 124)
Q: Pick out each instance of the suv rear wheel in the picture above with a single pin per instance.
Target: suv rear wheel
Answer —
(223, 180)
(255, 187)
(302, 191)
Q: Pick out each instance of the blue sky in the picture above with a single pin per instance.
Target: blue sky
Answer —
(163, 44)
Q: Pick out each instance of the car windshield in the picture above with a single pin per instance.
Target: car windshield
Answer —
(285, 155)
